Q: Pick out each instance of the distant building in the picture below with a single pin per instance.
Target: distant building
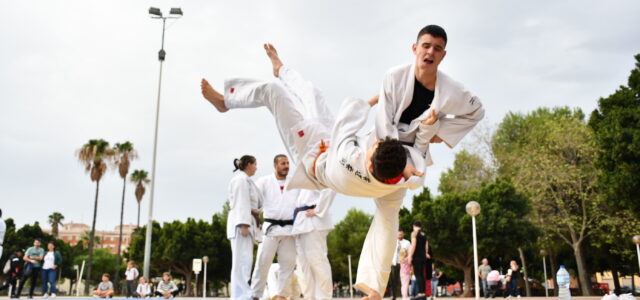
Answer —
(72, 233)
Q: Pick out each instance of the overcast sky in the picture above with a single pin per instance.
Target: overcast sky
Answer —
(71, 71)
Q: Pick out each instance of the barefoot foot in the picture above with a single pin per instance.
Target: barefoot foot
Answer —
(275, 59)
(213, 96)
(371, 293)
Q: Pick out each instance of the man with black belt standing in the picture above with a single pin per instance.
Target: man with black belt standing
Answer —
(278, 207)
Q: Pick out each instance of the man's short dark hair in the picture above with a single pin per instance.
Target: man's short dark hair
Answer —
(275, 159)
(434, 31)
(389, 159)
(417, 224)
(0, 212)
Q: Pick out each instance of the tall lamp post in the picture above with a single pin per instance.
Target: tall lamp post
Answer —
(636, 240)
(473, 209)
(544, 253)
(155, 13)
(205, 260)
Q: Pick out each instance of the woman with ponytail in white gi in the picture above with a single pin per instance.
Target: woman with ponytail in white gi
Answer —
(243, 225)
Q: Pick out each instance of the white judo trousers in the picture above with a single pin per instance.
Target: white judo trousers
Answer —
(375, 259)
(241, 261)
(311, 244)
(314, 265)
(285, 246)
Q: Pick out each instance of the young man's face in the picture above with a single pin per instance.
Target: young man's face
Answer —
(105, 278)
(36, 244)
(429, 52)
(165, 278)
(282, 166)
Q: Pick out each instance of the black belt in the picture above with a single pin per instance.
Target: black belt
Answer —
(281, 223)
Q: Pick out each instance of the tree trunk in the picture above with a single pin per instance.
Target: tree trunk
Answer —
(54, 229)
(187, 283)
(554, 269)
(119, 258)
(468, 281)
(527, 288)
(91, 241)
(583, 276)
(138, 225)
(616, 278)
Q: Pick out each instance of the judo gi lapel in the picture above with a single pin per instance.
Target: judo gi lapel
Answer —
(405, 93)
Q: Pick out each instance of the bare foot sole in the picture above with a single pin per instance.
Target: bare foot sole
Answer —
(371, 293)
(213, 96)
(275, 59)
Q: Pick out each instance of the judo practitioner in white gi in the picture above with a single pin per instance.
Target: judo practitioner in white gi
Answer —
(413, 105)
(278, 205)
(243, 225)
(311, 226)
(329, 152)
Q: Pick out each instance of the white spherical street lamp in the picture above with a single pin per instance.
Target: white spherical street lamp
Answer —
(473, 209)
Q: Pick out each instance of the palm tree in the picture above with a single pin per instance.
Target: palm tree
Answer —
(124, 154)
(85, 239)
(139, 177)
(94, 155)
(55, 219)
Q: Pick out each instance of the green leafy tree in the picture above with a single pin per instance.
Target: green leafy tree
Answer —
(550, 155)
(103, 260)
(177, 243)
(469, 173)
(501, 226)
(616, 123)
(140, 179)
(123, 155)
(94, 155)
(346, 239)
(55, 219)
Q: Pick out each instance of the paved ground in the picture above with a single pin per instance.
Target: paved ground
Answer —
(200, 298)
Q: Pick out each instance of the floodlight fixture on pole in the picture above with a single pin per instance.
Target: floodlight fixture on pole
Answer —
(156, 13)
(473, 209)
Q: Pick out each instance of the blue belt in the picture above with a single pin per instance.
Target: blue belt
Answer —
(302, 208)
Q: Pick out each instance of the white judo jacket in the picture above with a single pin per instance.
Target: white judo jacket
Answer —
(450, 98)
(276, 204)
(343, 166)
(243, 196)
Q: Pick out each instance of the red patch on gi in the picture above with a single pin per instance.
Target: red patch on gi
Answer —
(232, 90)
(301, 133)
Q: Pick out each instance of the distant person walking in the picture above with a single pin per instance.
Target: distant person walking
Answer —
(419, 254)
(52, 261)
(513, 276)
(131, 275)
(395, 277)
(33, 264)
(483, 271)
(435, 279)
(405, 273)
(3, 229)
(15, 264)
